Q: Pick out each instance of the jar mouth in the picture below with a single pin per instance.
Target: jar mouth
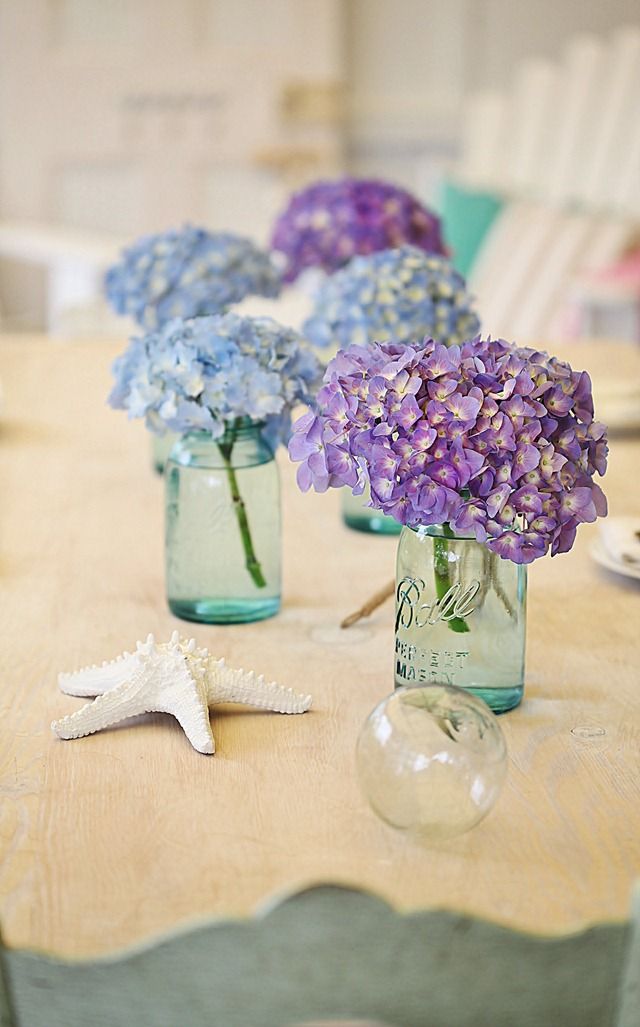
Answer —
(239, 427)
(240, 451)
(438, 531)
(244, 424)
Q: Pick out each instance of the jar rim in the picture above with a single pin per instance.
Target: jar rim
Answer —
(437, 531)
(240, 426)
(233, 440)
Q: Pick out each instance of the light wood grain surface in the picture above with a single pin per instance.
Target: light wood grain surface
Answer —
(107, 840)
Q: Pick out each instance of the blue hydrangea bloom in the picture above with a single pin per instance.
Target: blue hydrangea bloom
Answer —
(186, 273)
(403, 294)
(204, 373)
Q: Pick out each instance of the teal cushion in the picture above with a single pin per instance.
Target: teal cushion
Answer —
(466, 217)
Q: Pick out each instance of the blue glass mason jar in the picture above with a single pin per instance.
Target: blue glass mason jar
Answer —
(357, 515)
(460, 616)
(223, 527)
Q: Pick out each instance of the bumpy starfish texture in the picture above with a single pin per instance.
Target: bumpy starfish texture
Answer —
(173, 677)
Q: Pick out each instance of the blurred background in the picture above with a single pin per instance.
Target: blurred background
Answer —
(517, 120)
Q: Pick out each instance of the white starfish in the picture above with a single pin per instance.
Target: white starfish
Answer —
(175, 677)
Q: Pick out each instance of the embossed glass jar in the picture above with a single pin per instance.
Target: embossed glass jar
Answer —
(223, 527)
(460, 616)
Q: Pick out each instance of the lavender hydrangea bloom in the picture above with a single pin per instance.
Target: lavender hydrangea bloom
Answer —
(187, 273)
(401, 294)
(329, 222)
(201, 374)
(498, 441)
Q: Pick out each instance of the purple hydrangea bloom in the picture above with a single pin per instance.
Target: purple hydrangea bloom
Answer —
(498, 441)
(329, 222)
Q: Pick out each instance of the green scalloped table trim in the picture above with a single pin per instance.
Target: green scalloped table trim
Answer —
(334, 953)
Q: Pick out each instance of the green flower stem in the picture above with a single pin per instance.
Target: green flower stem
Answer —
(441, 574)
(251, 560)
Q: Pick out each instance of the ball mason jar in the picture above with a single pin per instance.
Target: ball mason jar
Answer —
(460, 616)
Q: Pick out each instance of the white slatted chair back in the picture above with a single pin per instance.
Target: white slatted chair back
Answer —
(482, 138)
(566, 155)
(616, 121)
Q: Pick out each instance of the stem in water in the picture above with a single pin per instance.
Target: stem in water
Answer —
(442, 576)
(251, 561)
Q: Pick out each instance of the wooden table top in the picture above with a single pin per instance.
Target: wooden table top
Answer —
(111, 839)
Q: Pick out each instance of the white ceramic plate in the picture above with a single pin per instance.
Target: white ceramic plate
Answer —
(601, 556)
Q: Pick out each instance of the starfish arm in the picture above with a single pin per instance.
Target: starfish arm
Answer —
(96, 680)
(196, 725)
(182, 694)
(238, 686)
(124, 701)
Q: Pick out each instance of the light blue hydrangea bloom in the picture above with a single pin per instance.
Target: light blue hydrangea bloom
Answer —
(186, 273)
(402, 294)
(204, 373)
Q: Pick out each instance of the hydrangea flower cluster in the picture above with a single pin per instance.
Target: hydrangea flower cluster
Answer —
(329, 222)
(204, 373)
(186, 273)
(498, 442)
(401, 294)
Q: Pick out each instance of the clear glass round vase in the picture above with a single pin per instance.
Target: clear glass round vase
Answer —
(357, 515)
(460, 616)
(223, 527)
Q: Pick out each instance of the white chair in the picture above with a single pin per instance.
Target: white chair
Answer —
(75, 263)
(563, 146)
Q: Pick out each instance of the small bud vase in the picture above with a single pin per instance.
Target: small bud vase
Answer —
(223, 527)
(360, 517)
(460, 616)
